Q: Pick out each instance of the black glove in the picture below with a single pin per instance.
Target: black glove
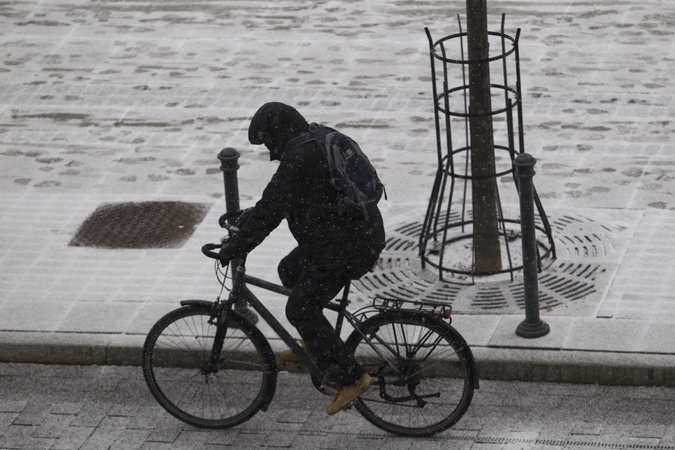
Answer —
(243, 217)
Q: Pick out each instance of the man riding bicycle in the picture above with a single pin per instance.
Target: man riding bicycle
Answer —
(332, 247)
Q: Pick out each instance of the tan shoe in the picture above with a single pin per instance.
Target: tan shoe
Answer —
(346, 395)
(288, 355)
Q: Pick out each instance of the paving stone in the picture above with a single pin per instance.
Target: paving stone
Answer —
(15, 436)
(167, 434)
(130, 440)
(648, 431)
(105, 438)
(587, 429)
(66, 408)
(72, 438)
(193, 439)
(668, 438)
(10, 406)
(157, 446)
(33, 414)
(280, 439)
(91, 415)
(228, 437)
(122, 411)
(6, 420)
(52, 426)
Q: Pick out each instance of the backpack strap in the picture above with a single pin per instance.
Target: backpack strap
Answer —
(306, 137)
(302, 139)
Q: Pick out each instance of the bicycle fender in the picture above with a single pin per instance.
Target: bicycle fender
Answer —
(469, 355)
(196, 302)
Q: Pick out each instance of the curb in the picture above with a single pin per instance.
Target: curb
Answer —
(71, 348)
(507, 364)
(582, 367)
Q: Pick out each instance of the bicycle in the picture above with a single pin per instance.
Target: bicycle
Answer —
(209, 366)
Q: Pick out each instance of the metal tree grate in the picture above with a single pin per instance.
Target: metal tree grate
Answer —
(140, 225)
(584, 246)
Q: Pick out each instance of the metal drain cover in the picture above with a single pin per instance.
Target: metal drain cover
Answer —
(140, 225)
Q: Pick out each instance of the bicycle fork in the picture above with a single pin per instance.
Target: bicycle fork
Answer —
(219, 319)
(222, 309)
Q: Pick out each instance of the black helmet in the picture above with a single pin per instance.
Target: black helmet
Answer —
(274, 125)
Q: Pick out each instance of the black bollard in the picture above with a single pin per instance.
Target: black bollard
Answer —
(229, 164)
(532, 326)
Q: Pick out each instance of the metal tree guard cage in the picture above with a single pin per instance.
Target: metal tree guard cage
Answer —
(446, 239)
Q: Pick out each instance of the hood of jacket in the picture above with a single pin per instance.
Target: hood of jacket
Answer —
(275, 124)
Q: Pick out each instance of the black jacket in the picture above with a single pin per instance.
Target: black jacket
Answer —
(300, 192)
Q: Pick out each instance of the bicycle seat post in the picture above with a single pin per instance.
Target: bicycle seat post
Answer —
(343, 306)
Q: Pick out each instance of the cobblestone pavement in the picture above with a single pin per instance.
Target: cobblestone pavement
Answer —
(92, 408)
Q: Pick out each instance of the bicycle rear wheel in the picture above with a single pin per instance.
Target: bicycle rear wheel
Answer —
(434, 384)
(179, 346)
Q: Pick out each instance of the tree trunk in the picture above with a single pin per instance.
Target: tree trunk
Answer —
(486, 244)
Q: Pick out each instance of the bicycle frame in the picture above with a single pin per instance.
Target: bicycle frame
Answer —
(240, 291)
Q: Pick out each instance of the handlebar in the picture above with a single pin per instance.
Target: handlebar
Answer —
(206, 250)
(223, 219)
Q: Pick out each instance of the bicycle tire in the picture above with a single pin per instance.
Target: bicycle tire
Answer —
(437, 367)
(179, 345)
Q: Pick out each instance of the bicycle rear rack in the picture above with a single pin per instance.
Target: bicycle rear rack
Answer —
(442, 310)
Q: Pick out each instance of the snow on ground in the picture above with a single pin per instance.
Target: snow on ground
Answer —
(126, 101)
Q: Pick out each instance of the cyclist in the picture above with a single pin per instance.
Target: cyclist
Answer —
(332, 248)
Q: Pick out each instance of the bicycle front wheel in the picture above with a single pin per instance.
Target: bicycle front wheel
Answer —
(175, 355)
(422, 370)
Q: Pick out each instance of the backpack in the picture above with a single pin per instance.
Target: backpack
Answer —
(355, 179)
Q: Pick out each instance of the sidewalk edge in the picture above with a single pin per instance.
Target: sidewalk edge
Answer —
(553, 366)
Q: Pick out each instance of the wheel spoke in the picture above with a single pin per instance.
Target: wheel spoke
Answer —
(434, 387)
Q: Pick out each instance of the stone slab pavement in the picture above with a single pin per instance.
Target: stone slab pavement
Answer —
(109, 102)
(107, 407)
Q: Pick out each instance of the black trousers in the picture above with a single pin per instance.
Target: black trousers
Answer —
(313, 288)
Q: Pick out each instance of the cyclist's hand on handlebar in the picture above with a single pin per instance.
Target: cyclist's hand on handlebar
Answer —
(241, 215)
(244, 216)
